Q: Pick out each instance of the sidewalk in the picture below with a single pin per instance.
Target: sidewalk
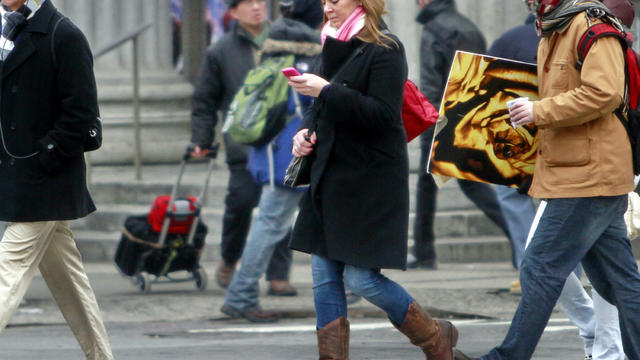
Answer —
(461, 291)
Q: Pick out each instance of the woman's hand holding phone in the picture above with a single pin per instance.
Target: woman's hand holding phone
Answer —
(308, 84)
(290, 71)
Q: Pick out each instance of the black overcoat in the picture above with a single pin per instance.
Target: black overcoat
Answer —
(356, 210)
(46, 110)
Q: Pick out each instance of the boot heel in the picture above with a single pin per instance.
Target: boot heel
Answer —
(451, 333)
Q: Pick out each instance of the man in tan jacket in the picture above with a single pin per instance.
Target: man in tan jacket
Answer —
(583, 170)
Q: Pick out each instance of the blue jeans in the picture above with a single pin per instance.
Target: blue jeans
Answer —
(328, 290)
(591, 230)
(596, 319)
(275, 217)
(518, 211)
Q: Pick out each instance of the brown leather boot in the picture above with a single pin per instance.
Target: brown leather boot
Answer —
(436, 338)
(333, 340)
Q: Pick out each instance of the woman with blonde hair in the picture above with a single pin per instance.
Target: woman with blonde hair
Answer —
(354, 218)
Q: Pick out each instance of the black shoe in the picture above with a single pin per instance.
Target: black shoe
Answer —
(430, 264)
(255, 315)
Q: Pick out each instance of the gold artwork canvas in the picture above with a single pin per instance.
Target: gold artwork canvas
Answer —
(474, 138)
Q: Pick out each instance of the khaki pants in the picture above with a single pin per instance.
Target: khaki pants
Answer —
(50, 247)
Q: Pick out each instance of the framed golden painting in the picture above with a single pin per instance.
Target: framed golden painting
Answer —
(474, 138)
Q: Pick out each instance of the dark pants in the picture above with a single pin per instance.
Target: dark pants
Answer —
(591, 230)
(242, 197)
(481, 194)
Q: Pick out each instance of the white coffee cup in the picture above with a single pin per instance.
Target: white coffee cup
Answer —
(510, 104)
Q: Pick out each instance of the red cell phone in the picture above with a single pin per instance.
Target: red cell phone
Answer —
(290, 71)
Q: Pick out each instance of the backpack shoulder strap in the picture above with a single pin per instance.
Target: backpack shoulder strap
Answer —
(53, 37)
(592, 34)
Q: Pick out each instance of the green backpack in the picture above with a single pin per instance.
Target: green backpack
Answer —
(258, 111)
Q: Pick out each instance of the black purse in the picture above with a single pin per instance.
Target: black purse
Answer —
(299, 170)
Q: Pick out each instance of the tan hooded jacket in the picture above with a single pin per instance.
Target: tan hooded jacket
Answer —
(583, 148)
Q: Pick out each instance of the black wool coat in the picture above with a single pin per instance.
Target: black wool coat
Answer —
(356, 210)
(46, 110)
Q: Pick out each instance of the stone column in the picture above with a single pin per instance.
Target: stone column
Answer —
(164, 93)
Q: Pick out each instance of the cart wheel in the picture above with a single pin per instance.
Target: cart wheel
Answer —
(200, 277)
(143, 281)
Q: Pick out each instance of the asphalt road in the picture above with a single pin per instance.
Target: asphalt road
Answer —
(175, 321)
(230, 340)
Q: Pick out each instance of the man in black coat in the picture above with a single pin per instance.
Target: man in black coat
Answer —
(46, 111)
(225, 66)
(444, 30)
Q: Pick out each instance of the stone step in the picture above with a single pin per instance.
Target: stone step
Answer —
(169, 89)
(110, 218)
(99, 246)
(116, 185)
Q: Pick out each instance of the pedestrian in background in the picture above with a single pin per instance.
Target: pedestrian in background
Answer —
(223, 70)
(47, 110)
(354, 218)
(445, 30)
(295, 33)
(584, 171)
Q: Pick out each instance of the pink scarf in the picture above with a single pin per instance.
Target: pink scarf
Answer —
(350, 28)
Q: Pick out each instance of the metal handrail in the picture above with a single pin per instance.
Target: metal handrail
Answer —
(121, 40)
(132, 36)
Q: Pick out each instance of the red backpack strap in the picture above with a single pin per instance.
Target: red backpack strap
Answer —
(592, 34)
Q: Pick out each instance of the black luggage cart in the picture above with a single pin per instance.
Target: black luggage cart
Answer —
(149, 257)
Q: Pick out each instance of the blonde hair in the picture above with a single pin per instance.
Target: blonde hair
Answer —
(374, 9)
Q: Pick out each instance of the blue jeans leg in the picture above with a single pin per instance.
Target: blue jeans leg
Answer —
(328, 290)
(380, 291)
(275, 217)
(578, 306)
(518, 211)
(613, 272)
(608, 341)
(568, 229)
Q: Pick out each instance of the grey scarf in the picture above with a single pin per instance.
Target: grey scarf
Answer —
(558, 19)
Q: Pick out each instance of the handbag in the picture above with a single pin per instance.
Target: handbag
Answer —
(418, 114)
(298, 172)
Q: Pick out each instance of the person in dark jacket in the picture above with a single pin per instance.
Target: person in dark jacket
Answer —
(444, 30)
(354, 218)
(224, 68)
(293, 34)
(47, 110)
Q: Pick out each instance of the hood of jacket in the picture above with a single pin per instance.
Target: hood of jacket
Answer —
(434, 8)
(292, 37)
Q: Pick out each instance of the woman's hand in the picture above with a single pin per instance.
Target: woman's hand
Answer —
(522, 113)
(308, 84)
(303, 144)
